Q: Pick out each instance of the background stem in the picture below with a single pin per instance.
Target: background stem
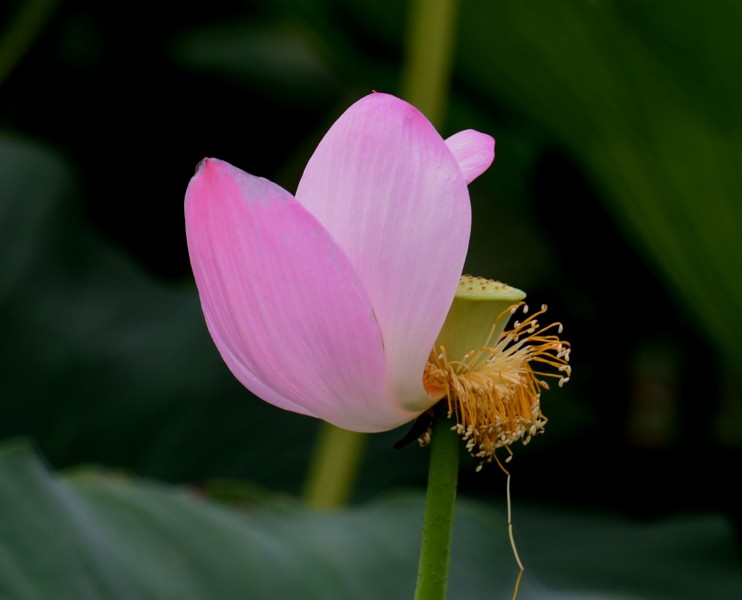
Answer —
(425, 81)
(21, 31)
(429, 55)
(334, 467)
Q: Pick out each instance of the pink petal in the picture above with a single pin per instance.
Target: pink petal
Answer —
(285, 307)
(474, 151)
(389, 191)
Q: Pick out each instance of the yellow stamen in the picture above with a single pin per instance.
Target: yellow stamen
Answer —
(494, 392)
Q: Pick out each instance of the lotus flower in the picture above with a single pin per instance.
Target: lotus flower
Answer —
(328, 303)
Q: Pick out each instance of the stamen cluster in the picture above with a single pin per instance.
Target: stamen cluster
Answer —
(494, 393)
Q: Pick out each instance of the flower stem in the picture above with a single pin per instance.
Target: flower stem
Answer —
(440, 502)
(334, 466)
(429, 55)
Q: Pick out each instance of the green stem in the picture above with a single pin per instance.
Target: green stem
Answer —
(21, 31)
(429, 55)
(334, 467)
(440, 502)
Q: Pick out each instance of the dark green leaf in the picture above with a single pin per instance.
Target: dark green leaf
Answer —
(99, 536)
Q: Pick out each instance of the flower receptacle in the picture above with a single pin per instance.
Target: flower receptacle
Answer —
(480, 305)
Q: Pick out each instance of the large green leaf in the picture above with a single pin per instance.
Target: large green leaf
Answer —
(93, 535)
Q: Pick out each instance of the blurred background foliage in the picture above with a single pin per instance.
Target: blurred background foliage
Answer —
(615, 197)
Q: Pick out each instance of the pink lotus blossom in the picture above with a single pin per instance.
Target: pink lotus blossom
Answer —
(328, 303)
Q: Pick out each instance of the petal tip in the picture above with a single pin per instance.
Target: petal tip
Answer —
(201, 165)
(210, 165)
(473, 150)
(388, 103)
